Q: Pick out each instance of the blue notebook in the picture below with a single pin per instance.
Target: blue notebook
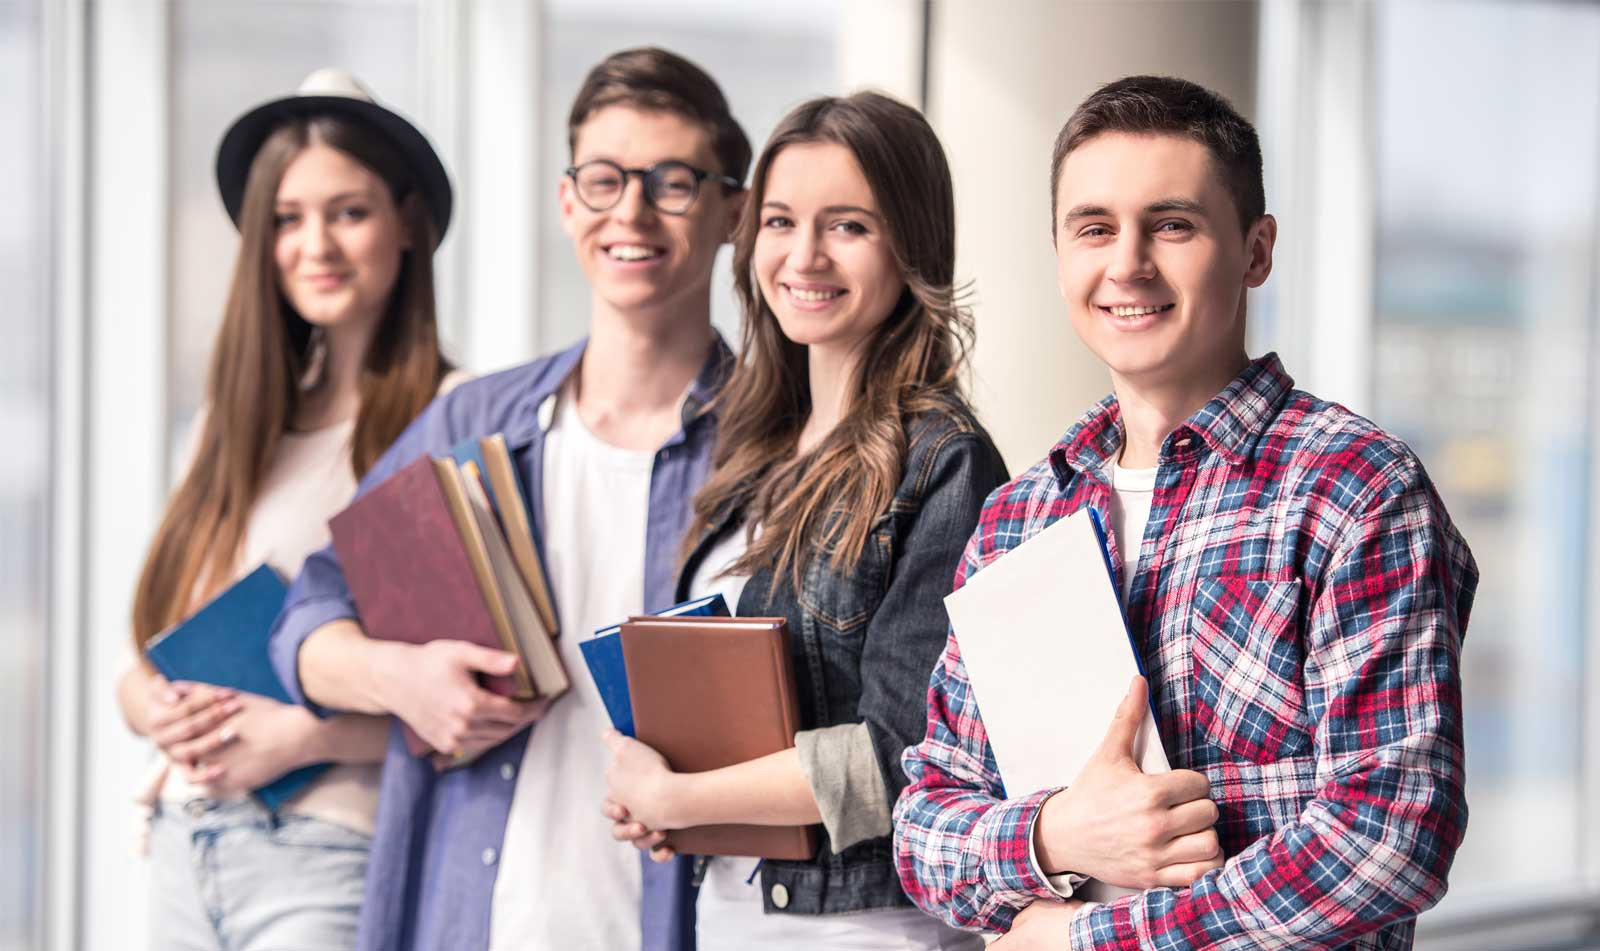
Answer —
(225, 644)
(603, 655)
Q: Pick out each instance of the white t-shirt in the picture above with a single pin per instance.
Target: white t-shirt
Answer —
(563, 881)
(1134, 490)
(729, 913)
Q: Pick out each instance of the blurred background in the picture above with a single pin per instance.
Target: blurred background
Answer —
(1434, 166)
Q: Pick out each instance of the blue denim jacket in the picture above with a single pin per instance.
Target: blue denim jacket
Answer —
(863, 644)
(436, 848)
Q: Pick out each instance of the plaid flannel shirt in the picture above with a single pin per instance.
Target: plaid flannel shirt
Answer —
(1299, 607)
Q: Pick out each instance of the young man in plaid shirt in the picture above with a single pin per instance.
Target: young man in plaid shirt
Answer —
(1293, 583)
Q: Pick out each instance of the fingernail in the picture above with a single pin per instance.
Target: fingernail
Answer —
(170, 697)
(227, 734)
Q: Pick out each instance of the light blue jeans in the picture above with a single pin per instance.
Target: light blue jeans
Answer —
(229, 876)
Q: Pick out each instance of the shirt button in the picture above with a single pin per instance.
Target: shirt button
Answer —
(780, 896)
(507, 771)
(488, 856)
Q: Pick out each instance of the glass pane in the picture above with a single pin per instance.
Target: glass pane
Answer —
(215, 78)
(1488, 120)
(766, 57)
(25, 382)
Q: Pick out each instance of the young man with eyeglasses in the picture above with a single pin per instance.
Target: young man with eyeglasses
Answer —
(612, 439)
(1292, 582)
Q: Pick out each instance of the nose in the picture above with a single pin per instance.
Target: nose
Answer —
(806, 253)
(1130, 258)
(632, 206)
(316, 238)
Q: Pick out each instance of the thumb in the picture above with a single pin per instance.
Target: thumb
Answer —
(614, 740)
(487, 660)
(1124, 729)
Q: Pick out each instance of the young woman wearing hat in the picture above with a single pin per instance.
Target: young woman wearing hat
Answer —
(328, 348)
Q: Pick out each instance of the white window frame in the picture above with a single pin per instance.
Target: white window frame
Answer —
(1317, 117)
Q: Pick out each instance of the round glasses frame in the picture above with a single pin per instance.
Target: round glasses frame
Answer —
(656, 180)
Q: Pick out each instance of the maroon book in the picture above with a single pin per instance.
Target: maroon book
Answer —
(409, 573)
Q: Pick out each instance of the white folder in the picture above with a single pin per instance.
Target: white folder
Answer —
(1047, 651)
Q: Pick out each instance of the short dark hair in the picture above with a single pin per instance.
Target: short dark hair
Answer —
(648, 77)
(1164, 105)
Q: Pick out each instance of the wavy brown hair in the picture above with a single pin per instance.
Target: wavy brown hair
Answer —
(825, 502)
(261, 352)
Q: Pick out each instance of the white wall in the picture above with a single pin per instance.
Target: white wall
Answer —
(1004, 77)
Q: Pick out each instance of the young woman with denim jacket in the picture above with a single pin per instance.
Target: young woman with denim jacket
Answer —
(850, 473)
(327, 350)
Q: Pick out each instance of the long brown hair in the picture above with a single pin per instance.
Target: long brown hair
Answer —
(252, 389)
(825, 502)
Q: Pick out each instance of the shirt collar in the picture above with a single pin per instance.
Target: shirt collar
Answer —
(1230, 425)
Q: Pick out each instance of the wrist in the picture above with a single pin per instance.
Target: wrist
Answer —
(311, 737)
(386, 680)
(1052, 842)
(676, 793)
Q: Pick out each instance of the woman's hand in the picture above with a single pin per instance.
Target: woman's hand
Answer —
(265, 740)
(1045, 924)
(183, 719)
(639, 795)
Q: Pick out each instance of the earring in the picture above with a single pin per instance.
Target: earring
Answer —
(316, 360)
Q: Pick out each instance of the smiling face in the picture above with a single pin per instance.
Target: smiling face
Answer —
(635, 257)
(1151, 261)
(822, 256)
(338, 241)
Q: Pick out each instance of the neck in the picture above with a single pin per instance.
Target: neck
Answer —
(830, 375)
(1152, 410)
(338, 397)
(641, 363)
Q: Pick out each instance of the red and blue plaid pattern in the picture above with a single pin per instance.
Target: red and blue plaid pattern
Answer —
(1299, 603)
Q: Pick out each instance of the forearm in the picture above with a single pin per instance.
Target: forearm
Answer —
(342, 668)
(772, 790)
(350, 738)
(133, 698)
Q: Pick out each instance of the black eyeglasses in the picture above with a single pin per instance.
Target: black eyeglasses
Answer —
(669, 187)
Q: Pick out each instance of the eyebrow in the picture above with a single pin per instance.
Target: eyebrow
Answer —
(829, 210)
(1186, 205)
(342, 196)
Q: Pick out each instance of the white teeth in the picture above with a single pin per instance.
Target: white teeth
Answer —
(813, 295)
(632, 252)
(1134, 311)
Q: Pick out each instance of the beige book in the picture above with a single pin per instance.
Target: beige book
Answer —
(467, 526)
(533, 641)
(518, 527)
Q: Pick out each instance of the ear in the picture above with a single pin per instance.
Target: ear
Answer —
(737, 202)
(1259, 241)
(567, 202)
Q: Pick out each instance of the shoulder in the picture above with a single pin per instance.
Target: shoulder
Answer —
(945, 438)
(1342, 462)
(507, 400)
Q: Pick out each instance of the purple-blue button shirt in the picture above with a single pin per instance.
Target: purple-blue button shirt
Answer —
(436, 847)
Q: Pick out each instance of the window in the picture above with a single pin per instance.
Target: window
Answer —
(1486, 203)
(25, 419)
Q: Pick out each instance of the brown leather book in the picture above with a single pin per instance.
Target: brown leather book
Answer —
(409, 572)
(709, 692)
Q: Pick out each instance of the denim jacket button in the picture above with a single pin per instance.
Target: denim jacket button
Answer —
(780, 896)
(488, 856)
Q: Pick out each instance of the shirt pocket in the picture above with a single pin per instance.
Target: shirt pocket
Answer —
(1249, 678)
(844, 603)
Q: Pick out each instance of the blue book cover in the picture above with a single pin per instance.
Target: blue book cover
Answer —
(603, 655)
(225, 644)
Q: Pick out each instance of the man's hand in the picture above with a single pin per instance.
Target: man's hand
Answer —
(532, 711)
(1042, 926)
(264, 741)
(433, 687)
(1123, 827)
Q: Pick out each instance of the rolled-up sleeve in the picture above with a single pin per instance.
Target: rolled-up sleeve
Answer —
(842, 767)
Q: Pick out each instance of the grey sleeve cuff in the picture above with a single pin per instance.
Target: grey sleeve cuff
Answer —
(842, 767)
